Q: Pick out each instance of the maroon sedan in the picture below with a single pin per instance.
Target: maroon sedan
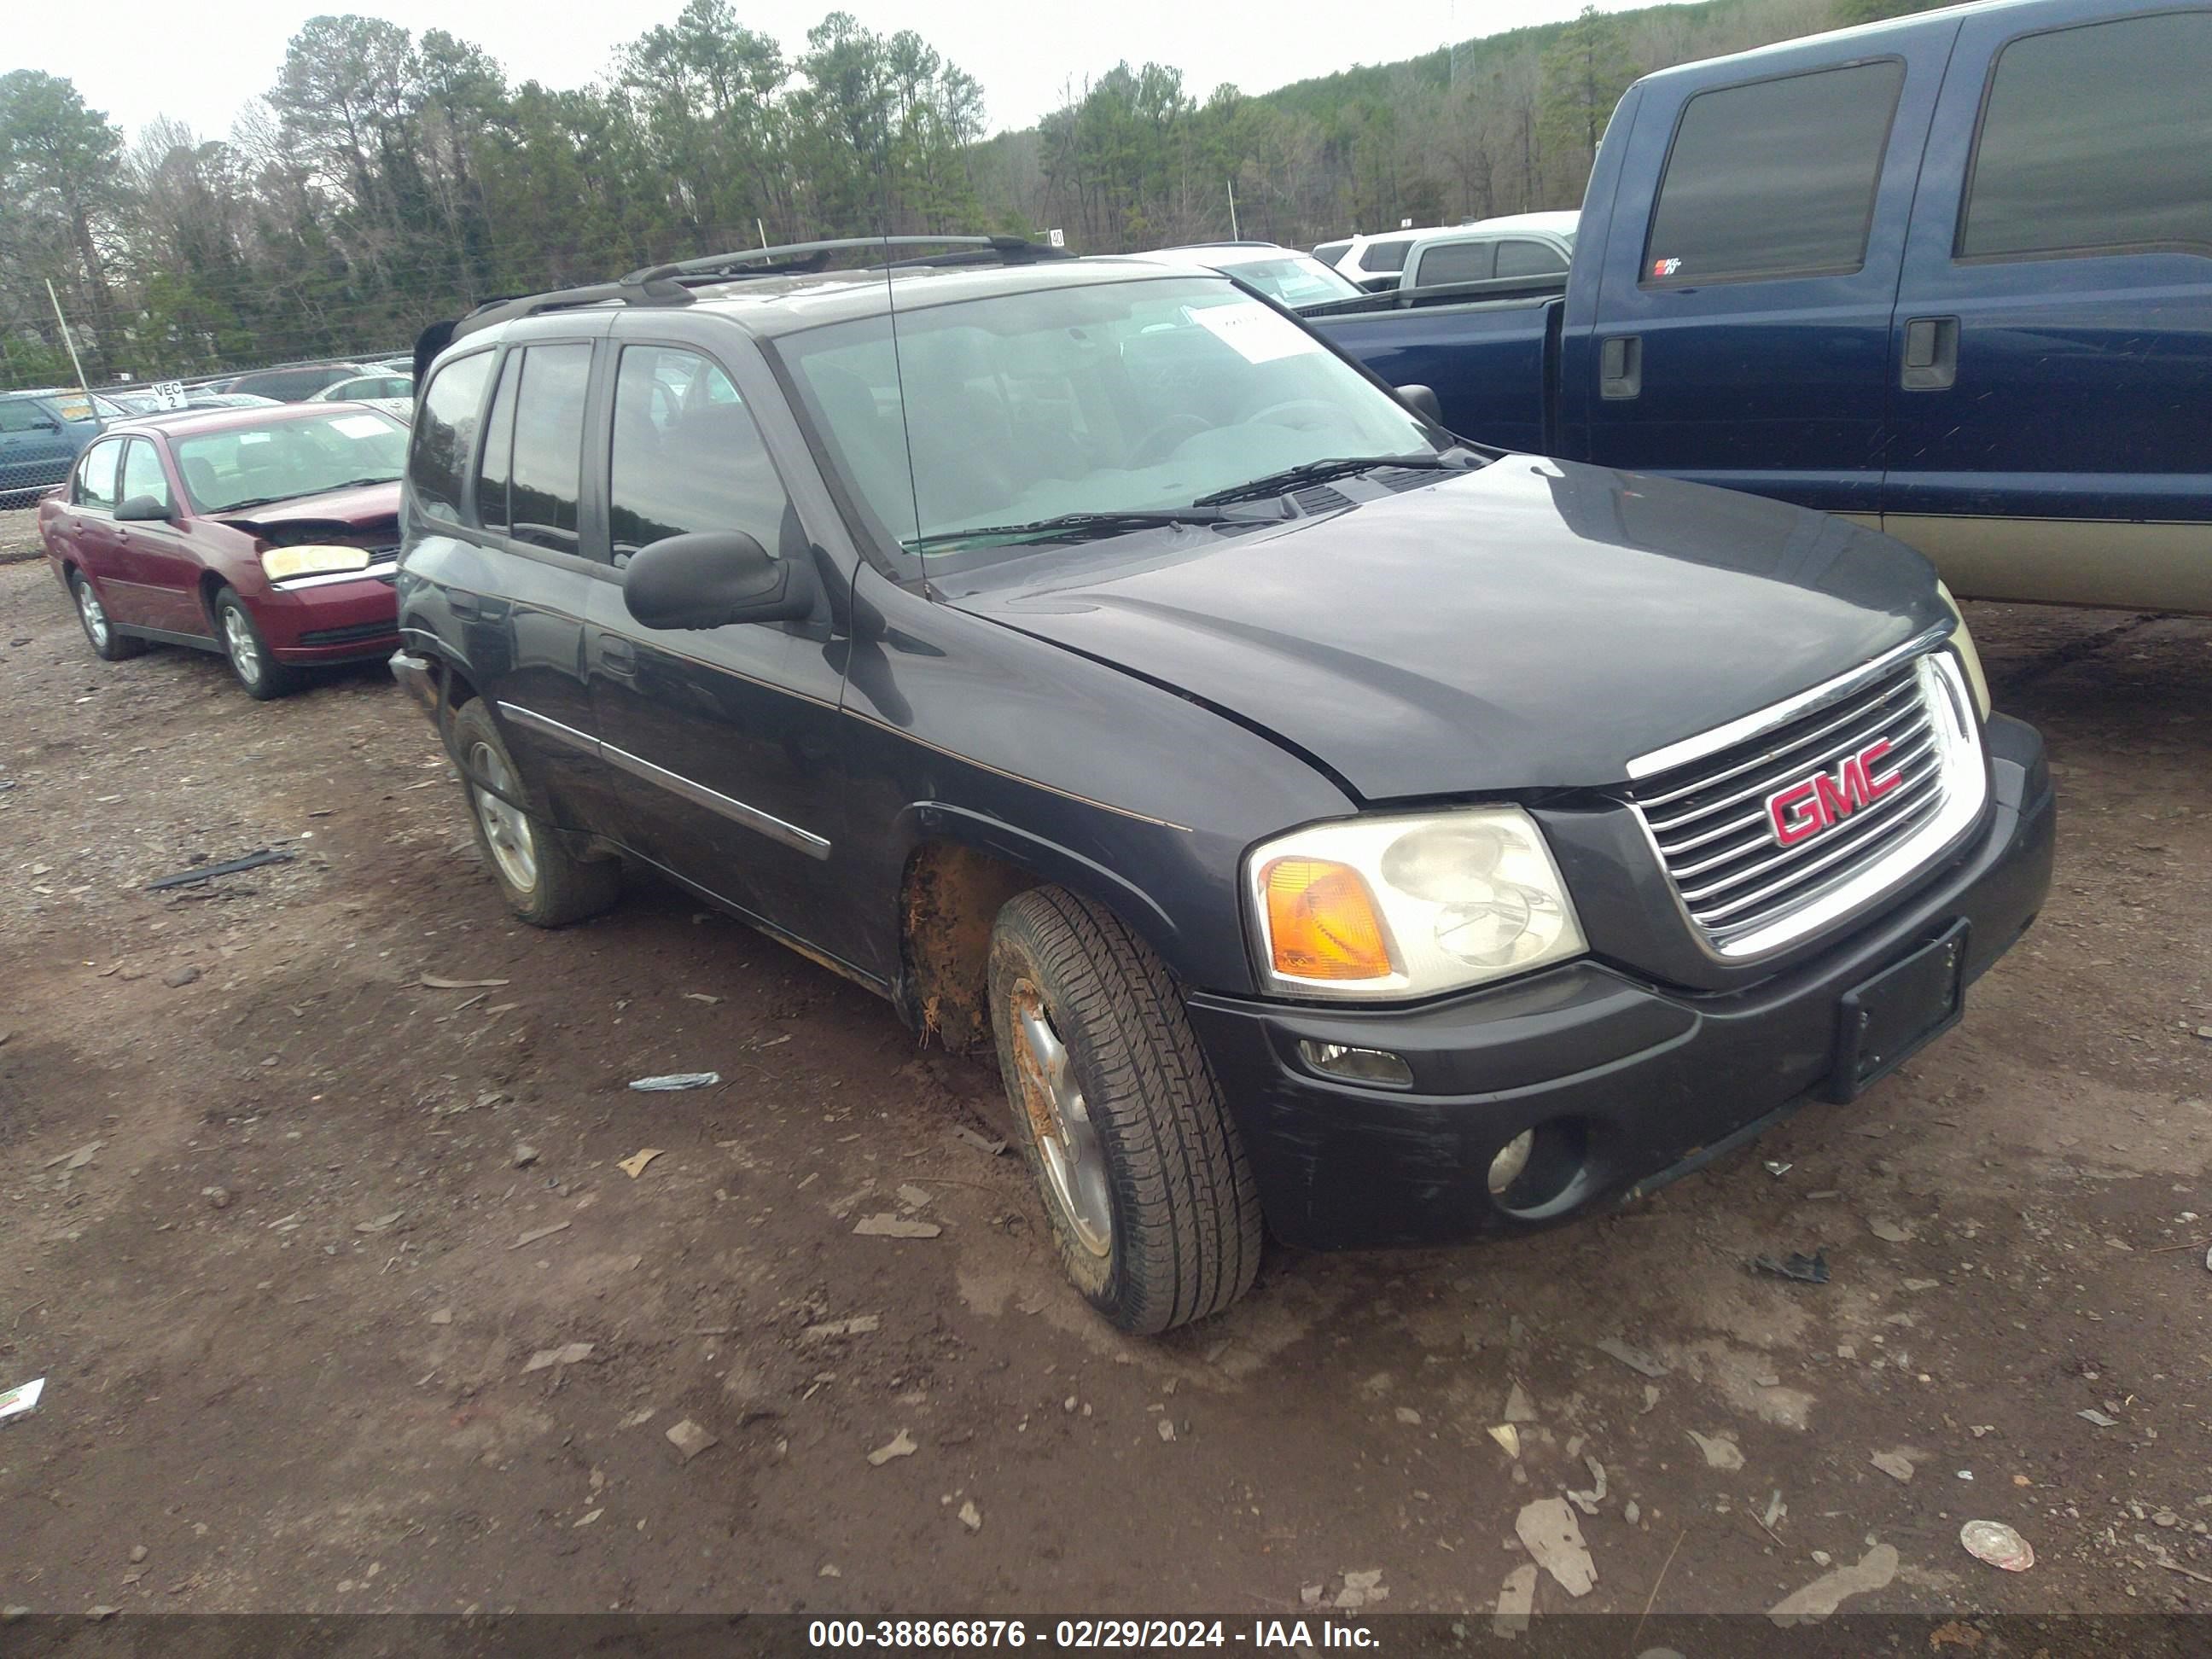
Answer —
(270, 535)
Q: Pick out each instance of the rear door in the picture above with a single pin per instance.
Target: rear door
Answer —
(2053, 343)
(729, 736)
(93, 501)
(156, 553)
(1749, 272)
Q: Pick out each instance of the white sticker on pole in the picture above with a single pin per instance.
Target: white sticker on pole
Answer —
(169, 394)
(1255, 332)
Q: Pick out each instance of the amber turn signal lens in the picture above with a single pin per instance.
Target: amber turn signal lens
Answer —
(1322, 922)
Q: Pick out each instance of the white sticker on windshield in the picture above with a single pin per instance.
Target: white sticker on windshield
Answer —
(253, 438)
(362, 426)
(1253, 332)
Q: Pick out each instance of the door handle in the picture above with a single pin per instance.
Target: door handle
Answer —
(1931, 354)
(1620, 365)
(616, 655)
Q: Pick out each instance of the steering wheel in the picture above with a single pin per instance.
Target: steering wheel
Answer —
(1165, 437)
(1282, 414)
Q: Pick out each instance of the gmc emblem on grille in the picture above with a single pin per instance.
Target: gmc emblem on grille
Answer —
(1827, 798)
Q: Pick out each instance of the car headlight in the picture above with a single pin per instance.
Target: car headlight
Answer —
(1408, 907)
(311, 559)
(1962, 641)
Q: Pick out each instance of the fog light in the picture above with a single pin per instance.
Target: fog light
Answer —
(1356, 1064)
(1512, 1158)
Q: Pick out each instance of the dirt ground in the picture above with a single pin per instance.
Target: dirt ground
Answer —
(279, 1235)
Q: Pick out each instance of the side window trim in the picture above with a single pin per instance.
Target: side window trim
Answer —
(2093, 251)
(1643, 277)
(464, 509)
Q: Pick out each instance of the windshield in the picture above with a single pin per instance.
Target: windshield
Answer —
(1296, 279)
(250, 465)
(1126, 395)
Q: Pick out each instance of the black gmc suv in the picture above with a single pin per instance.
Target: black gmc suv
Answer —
(1336, 827)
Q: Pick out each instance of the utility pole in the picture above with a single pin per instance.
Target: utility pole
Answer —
(1234, 235)
(762, 229)
(82, 385)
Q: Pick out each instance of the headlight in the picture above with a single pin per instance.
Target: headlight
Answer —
(1962, 641)
(1408, 907)
(313, 559)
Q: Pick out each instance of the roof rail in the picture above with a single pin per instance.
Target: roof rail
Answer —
(806, 257)
(635, 291)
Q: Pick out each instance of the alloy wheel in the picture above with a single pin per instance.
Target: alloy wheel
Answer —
(1067, 1143)
(507, 830)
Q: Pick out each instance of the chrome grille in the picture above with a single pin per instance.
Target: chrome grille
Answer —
(1708, 816)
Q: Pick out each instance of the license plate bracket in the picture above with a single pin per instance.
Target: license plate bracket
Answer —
(1884, 1021)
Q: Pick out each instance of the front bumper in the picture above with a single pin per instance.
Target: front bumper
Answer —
(339, 622)
(1644, 1082)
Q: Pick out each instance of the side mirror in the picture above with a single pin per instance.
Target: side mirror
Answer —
(149, 508)
(1423, 402)
(714, 578)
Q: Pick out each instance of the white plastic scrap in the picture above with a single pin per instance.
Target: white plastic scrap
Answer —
(675, 1080)
(21, 1402)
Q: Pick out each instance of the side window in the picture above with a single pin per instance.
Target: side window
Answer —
(549, 444)
(1455, 262)
(142, 474)
(445, 432)
(685, 455)
(496, 466)
(95, 478)
(1774, 178)
(1329, 252)
(1384, 258)
(2095, 137)
(1518, 257)
(22, 415)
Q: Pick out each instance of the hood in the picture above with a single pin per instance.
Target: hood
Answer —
(366, 510)
(1534, 625)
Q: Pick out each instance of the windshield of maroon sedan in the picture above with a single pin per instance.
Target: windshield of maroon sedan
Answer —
(254, 465)
(1125, 396)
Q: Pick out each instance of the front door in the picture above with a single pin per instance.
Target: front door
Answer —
(728, 735)
(154, 554)
(2053, 343)
(1747, 293)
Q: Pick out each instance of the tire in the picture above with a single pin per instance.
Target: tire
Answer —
(543, 882)
(107, 643)
(1160, 1162)
(262, 677)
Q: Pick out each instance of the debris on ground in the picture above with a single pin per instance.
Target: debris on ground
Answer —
(2092, 1415)
(1803, 1269)
(431, 982)
(1817, 1599)
(1517, 1600)
(573, 1353)
(971, 1516)
(229, 867)
(634, 1166)
(21, 1401)
(1548, 1531)
(859, 1325)
(2160, 1556)
(894, 1226)
(1407, 1415)
(1509, 1437)
(1894, 1464)
(1720, 1453)
(672, 1081)
(1889, 1232)
(524, 1156)
(689, 1439)
(1519, 1409)
(74, 1160)
(901, 1445)
(981, 1143)
(913, 1197)
(1360, 1589)
(218, 1198)
(1587, 1501)
(537, 1233)
(1635, 1358)
(1166, 1428)
(1778, 1169)
(1997, 1544)
(383, 1224)
(177, 978)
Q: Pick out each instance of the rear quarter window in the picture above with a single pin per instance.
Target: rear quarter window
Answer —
(1455, 262)
(2095, 138)
(445, 433)
(1774, 178)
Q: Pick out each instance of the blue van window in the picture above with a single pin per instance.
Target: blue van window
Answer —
(2095, 137)
(1774, 178)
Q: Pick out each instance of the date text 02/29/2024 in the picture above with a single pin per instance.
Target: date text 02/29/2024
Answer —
(1072, 1634)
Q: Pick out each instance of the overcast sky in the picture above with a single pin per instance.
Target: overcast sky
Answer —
(199, 60)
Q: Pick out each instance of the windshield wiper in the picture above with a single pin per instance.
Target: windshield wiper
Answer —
(1079, 526)
(1280, 484)
(251, 501)
(356, 483)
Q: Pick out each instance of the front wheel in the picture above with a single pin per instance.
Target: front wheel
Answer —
(1145, 1178)
(264, 677)
(543, 883)
(107, 644)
